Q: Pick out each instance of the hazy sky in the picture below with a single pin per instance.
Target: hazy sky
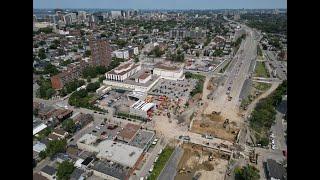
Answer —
(161, 4)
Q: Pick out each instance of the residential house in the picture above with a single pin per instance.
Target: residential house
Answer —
(49, 172)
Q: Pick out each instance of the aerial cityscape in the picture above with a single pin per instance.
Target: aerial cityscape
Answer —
(160, 90)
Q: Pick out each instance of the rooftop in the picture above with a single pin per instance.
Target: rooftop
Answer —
(38, 147)
(48, 170)
(123, 68)
(129, 131)
(166, 67)
(276, 170)
(142, 139)
(111, 169)
(76, 174)
(87, 161)
(144, 75)
(37, 176)
(142, 105)
(118, 152)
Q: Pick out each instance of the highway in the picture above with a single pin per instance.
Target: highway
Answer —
(279, 66)
(237, 73)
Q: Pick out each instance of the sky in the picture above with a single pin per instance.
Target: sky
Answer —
(161, 4)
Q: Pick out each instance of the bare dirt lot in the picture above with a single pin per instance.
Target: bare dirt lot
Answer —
(195, 160)
(216, 126)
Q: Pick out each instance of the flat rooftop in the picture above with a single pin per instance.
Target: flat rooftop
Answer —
(112, 169)
(142, 139)
(167, 67)
(121, 153)
(129, 131)
(132, 81)
(123, 68)
(118, 152)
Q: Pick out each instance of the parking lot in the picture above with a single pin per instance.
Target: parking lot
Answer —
(115, 99)
(111, 98)
(174, 89)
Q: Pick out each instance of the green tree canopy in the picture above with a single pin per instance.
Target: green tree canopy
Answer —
(92, 87)
(69, 125)
(64, 170)
(56, 146)
(247, 173)
(42, 54)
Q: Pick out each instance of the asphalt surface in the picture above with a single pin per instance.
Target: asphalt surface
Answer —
(245, 91)
(169, 171)
(279, 66)
(150, 157)
(278, 130)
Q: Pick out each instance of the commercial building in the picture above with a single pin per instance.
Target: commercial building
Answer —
(100, 52)
(122, 54)
(128, 132)
(123, 154)
(178, 33)
(70, 18)
(110, 170)
(123, 71)
(82, 16)
(144, 77)
(116, 14)
(74, 71)
(142, 109)
(168, 72)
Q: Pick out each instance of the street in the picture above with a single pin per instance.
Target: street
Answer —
(169, 171)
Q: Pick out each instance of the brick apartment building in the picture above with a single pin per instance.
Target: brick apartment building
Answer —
(73, 71)
(100, 52)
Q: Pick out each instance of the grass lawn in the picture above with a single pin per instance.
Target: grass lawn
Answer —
(260, 70)
(261, 86)
(159, 165)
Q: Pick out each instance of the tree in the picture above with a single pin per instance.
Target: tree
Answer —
(69, 125)
(87, 53)
(102, 78)
(50, 92)
(136, 59)
(42, 54)
(247, 173)
(51, 69)
(35, 112)
(56, 146)
(88, 79)
(91, 87)
(64, 170)
(101, 69)
(53, 46)
(89, 71)
(41, 43)
(42, 154)
(45, 90)
(66, 62)
(73, 85)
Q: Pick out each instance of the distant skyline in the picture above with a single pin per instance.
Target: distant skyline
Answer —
(161, 4)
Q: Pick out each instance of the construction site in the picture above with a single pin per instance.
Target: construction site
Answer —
(198, 162)
(214, 125)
